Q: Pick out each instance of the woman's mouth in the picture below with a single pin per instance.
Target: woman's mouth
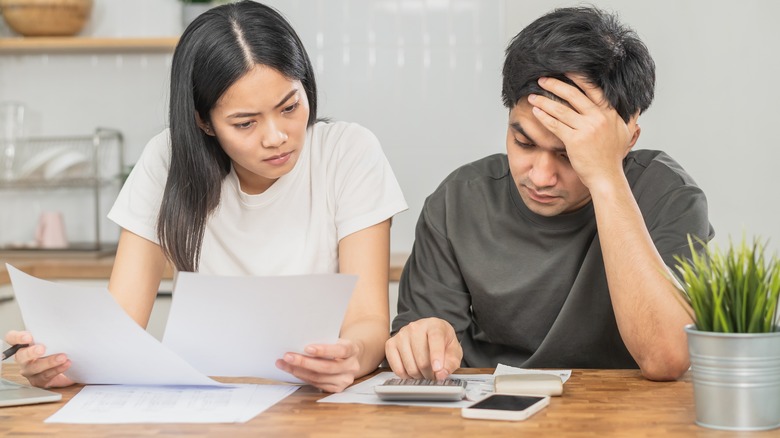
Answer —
(278, 160)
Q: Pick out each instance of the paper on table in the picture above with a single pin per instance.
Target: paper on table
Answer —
(478, 386)
(166, 404)
(104, 344)
(253, 321)
(506, 369)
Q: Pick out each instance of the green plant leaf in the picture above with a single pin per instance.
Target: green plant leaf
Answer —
(735, 291)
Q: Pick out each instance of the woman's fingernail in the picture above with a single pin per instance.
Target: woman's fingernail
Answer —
(542, 80)
(310, 350)
(39, 350)
(436, 365)
(531, 97)
(61, 358)
(289, 358)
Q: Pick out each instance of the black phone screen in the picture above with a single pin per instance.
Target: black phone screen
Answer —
(505, 402)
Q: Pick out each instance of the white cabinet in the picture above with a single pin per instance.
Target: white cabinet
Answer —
(393, 300)
(10, 317)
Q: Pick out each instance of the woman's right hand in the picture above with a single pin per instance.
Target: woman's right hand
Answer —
(42, 371)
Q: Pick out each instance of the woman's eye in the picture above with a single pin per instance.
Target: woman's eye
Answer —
(290, 108)
(244, 125)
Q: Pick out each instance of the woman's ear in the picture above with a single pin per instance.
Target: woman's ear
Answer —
(204, 126)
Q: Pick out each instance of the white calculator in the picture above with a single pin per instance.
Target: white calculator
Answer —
(422, 389)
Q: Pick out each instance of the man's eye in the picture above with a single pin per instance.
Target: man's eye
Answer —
(523, 145)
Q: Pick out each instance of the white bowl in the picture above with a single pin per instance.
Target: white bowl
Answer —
(71, 164)
(34, 167)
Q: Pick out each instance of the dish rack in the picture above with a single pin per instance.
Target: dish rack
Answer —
(44, 166)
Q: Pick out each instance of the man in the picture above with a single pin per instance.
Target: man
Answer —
(556, 254)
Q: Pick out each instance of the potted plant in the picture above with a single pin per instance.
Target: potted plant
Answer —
(734, 343)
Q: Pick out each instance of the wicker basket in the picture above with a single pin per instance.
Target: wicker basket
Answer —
(46, 17)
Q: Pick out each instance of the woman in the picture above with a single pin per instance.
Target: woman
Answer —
(247, 182)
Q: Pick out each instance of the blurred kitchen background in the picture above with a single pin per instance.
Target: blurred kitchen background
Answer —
(424, 76)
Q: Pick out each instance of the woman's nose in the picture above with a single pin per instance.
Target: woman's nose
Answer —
(274, 136)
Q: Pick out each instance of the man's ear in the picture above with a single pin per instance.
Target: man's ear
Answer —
(203, 125)
(635, 137)
(633, 125)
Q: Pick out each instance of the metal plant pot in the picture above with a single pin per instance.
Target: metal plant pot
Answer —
(736, 379)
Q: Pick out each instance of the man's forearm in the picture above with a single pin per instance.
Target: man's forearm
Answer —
(649, 315)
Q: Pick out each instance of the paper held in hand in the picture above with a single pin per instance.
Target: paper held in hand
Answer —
(218, 326)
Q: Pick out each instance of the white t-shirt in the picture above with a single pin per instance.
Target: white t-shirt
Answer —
(342, 183)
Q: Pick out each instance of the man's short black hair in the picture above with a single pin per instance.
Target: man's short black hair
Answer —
(582, 40)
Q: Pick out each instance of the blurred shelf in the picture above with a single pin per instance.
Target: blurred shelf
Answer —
(21, 45)
(56, 183)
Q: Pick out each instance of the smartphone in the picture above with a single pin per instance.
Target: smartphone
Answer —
(421, 389)
(506, 407)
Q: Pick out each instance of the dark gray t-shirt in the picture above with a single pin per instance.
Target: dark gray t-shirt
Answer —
(527, 290)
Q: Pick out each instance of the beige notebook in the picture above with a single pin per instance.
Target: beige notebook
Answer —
(529, 384)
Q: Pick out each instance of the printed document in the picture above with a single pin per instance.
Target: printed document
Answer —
(478, 386)
(166, 404)
(104, 345)
(240, 326)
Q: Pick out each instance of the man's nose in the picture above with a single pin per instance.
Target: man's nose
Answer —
(544, 172)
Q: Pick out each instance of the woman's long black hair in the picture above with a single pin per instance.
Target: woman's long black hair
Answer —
(216, 49)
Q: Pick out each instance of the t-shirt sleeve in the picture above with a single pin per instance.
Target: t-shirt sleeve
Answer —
(431, 284)
(365, 189)
(680, 213)
(138, 204)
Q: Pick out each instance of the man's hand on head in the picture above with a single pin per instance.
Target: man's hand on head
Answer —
(596, 137)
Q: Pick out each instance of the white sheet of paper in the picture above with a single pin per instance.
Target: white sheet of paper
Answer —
(240, 326)
(165, 404)
(478, 386)
(506, 369)
(104, 344)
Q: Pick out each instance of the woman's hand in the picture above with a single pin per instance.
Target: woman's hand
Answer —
(42, 371)
(330, 367)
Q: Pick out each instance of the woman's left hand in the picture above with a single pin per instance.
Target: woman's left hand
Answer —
(329, 367)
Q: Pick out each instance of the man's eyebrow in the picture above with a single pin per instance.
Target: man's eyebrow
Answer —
(519, 129)
(280, 104)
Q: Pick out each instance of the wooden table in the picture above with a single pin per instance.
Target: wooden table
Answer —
(595, 403)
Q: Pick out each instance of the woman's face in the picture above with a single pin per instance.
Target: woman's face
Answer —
(260, 122)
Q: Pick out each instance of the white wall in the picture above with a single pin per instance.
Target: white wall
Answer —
(424, 75)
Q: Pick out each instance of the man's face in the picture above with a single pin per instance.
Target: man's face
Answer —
(540, 166)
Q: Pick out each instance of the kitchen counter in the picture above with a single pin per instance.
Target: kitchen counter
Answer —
(100, 268)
